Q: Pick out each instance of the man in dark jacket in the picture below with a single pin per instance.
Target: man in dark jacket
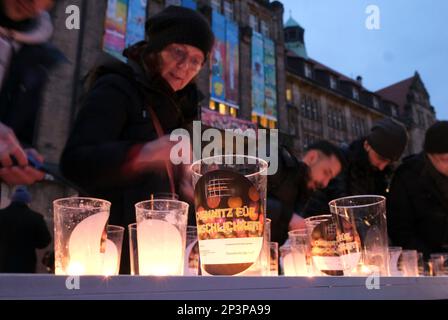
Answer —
(22, 231)
(368, 170)
(295, 180)
(417, 213)
(25, 59)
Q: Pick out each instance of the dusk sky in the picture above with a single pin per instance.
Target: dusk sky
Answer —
(413, 35)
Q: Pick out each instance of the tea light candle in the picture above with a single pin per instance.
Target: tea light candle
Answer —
(110, 259)
(85, 246)
(160, 248)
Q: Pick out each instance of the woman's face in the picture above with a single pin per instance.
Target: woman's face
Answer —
(180, 64)
(20, 10)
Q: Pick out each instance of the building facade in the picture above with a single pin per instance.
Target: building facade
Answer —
(259, 76)
(325, 104)
(415, 108)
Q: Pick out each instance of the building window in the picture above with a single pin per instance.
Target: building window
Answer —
(308, 72)
(417, 96)
(310, 108)
(359, 126)
(229, 9)
(222, 109)
(420, 119)
(296, 94)
(291, 35)
(336, 119)
(289, 95)
(309, 139)
(233, 112)
(355, 93)
(333, 83)
(376, 104)
(393, 111)
(254, 118)
(264, 26)
(217, 6)
(253, 22)
(264, 122)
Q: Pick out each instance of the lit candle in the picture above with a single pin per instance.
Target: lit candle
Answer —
(110, 259)
(85, 246)
(299, 261)
(160, 248)
(288, 265)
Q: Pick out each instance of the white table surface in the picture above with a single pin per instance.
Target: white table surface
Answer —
(42, 286)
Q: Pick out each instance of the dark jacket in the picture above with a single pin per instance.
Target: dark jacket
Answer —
(358, 178)
(113, 123)
(417, 216)
(285, 189)
(23, 86)
(22, 231)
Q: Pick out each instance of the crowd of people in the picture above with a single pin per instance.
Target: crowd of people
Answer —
(119, 145)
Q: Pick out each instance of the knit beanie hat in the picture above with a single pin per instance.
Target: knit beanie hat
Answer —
(21, 195)
(388, 139)
(177, 24)
(436, 139)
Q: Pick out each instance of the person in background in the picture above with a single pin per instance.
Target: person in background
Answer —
(295, 180)
(417, 214)
(369, 167)
(22, 231)
(119, 148)
(25, 59)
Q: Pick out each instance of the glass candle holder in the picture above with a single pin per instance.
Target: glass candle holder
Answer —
(80, 235)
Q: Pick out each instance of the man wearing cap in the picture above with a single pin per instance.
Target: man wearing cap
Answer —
(22, 231)
(368, 166)
(417, 213)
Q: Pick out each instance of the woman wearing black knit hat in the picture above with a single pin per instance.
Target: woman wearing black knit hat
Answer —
(119, 148)
(417, 215)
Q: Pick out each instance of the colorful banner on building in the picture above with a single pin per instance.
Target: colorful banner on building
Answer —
(232, 69)
(257, 74)
(190, 4)
(135, 30)
(270, 83)
(115, 27)
(218, 57)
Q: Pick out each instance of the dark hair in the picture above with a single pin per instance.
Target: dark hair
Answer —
(329, 149)
(435, 138)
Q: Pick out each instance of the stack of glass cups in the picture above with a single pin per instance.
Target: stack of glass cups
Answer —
(362, 234)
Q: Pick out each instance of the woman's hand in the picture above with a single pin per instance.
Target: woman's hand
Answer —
(152, 155)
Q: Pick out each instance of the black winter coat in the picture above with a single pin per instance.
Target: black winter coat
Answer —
(113, 122)
(417, 216)
(22, 231)
(358, 178)
(285, 189)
